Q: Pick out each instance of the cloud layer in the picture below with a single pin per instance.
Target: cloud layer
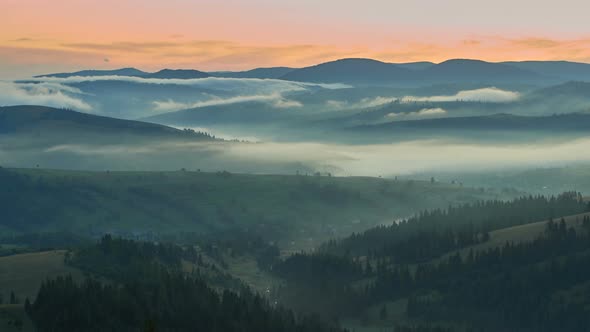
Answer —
(362, 160)
(361, 104)
(486, 95)
(423, 113)
(274, 99)
(417, 156)
(209, 91)
(44, 94)
(217, 83)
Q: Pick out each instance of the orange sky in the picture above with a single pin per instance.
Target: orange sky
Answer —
(38, 36)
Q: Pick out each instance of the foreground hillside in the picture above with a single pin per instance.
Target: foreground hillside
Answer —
(24, 273)
(490, 266)
(297, 211)
(398, 276)
(148, 290)
(522, 233)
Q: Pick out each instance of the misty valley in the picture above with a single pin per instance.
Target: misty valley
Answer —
(345, 195)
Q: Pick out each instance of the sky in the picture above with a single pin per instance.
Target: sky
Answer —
(40, 36)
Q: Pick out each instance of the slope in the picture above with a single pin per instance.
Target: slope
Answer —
(295, 211)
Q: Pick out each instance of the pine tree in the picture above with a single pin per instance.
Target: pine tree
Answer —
(383, 313)
(13, 299)
(368, 267)
(27, 306)
(150, 326)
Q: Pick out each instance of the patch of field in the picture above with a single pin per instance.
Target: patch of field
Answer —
(577, 294)
(395, 313)
(521, 233)
(528, 232)
(246, 268)
(24, 273)
(11, 249)
(14, 319)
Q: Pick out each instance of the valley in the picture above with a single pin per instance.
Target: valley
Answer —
(162, 181)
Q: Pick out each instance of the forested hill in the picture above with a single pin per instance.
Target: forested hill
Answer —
(149, 292)
(38, 121)
(431, 233)
(415, 273)
(498, 122)
(287, 209)
(440, 271)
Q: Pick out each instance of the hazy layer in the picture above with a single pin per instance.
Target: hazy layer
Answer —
(366, 160)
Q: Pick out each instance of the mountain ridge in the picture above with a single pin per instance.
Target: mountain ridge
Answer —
(41, 119)
(366, 71)
(129, 71)
(178, 74)
(498, 121)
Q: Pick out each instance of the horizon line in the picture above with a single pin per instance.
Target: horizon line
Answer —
(317, 64)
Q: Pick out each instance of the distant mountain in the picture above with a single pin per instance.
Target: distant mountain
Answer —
(49, 122)
(177, 74)
(273, 73)
(353, 71)
(86, 73)
(416, 65)
(164, 73)
(464, 70)
(134, 99)
(570, 97)
(367, 71)
(496, 122)
(237, 113)
(565, 90)
(556, 69)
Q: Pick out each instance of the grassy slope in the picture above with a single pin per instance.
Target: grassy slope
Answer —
(297, 211)
(246, 269)
(24, 273)
(9, 314)
(521, 233)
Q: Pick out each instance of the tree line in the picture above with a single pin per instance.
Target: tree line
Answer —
(147, 291)
(405, 261)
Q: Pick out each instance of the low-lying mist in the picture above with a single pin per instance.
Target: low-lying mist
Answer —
(415, 156)
(357, 160)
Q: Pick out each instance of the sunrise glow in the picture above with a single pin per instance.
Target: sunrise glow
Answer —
(39, 36)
